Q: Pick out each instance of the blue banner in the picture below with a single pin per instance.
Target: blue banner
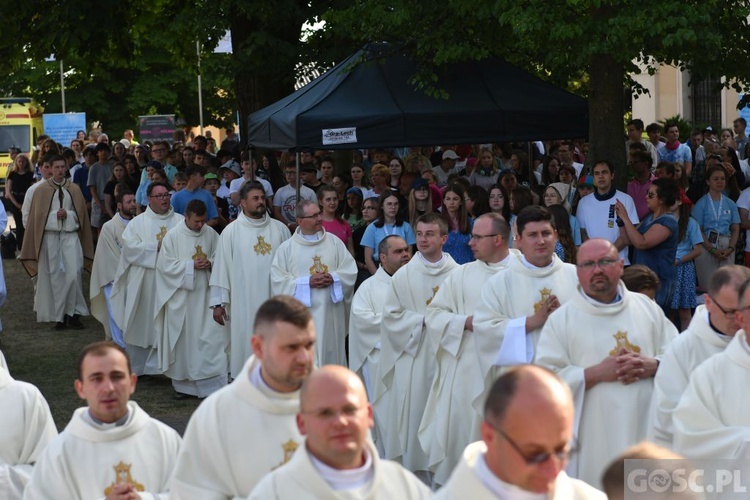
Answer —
(62, 127)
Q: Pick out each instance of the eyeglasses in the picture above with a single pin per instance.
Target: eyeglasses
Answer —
(561, 455)
(480, 237)
(163, 196)
(726, 312)
(312, 216)
(603, 263)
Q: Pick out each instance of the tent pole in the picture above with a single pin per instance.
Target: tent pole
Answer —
(298, 179)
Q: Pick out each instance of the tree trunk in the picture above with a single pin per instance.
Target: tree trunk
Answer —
(606, 111)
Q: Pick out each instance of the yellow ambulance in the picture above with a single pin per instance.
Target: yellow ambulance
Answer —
(20, 125)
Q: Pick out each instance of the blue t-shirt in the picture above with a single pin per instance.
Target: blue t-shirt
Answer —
(692, 237)
(715, 215)
(660, 258)
(374, 235)
(575, 227)
(457, 246)
(181, 198)
(681, 154)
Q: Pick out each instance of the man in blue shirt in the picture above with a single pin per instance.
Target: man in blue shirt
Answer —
(194, 191)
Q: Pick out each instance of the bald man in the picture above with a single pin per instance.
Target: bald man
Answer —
(526, 441)
(609, 364)
(337, 460)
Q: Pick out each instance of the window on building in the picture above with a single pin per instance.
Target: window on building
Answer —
(707, 101)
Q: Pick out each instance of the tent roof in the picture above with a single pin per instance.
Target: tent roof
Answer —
(370, 100)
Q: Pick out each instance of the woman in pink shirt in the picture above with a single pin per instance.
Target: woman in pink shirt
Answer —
(333, 222)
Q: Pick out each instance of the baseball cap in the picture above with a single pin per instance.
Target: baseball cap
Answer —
(210, 176)
(355, 190)
(233, 166)
(449, 154)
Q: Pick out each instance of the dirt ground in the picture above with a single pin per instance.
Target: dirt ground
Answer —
(38, 354)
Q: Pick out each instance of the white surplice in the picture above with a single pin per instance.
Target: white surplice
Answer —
(449, 423)
(684, 354)
(473, 480)
(296, 261)
(241, 277)
(106, 260)
(86, 459)
(235, 437)
(133, 294)
(406, 364)
(191, 345)
(611, 416)
(300, 480)
(507, 298)
(712, 418)
(26, 428)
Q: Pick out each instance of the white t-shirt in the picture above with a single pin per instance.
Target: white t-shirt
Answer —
(286, 199)
(743, 202)
(598, 217)
(236, 185)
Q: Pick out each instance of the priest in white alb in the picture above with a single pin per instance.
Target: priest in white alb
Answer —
(192, 347)
(516, 302)
(712, 418)
(248, 428)
(241, 274)
(133, 296)
(316, 268)
(450, 423)
(712, 328)
(26, 428)
(106, 260)
(111, 448)
(406, 363)
(604, 343)
(526, 441)
(342, 466)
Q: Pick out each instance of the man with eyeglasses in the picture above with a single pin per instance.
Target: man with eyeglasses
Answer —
(316, 268)
(337, 459)
(712, 328)
(605, 343)
(407, 363)
(449, 423)
(712, 419)
(160, 153)
(133, 294)
(525, 445)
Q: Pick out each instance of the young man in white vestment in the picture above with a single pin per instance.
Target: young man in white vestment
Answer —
(106, 259)
(316, 268)
(527, 435)
(241, 274)
(133, 296)
(111, 449)
(336, 459)
(712, 418)
(57, 245)
(450, 423)
(604, 343)
(709, 333)
(192, 347)
(246, 429)
(26, 428)
(516, 302)
(406, 364)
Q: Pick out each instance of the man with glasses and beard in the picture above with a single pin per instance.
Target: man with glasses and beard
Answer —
(610, 363)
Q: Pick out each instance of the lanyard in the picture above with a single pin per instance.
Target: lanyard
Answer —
(717, 213)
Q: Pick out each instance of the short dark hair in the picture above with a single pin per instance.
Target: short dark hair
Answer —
(654, 127)
(52, 158)
(103, 146)
(667, 191)
(434, 218)
(668, 167)
(195, 169)
(637, 123)
(608, 163)
(642, 155)
(122, 194)
(282, 308)
(248, 186)
(150, 188)
(670, 124)
(69, 153)
(533, 213)
(195, 207)
(637, 146)
(742, 121)
(100, 349)
(639, 277)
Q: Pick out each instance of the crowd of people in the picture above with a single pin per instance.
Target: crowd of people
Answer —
(429, 273)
